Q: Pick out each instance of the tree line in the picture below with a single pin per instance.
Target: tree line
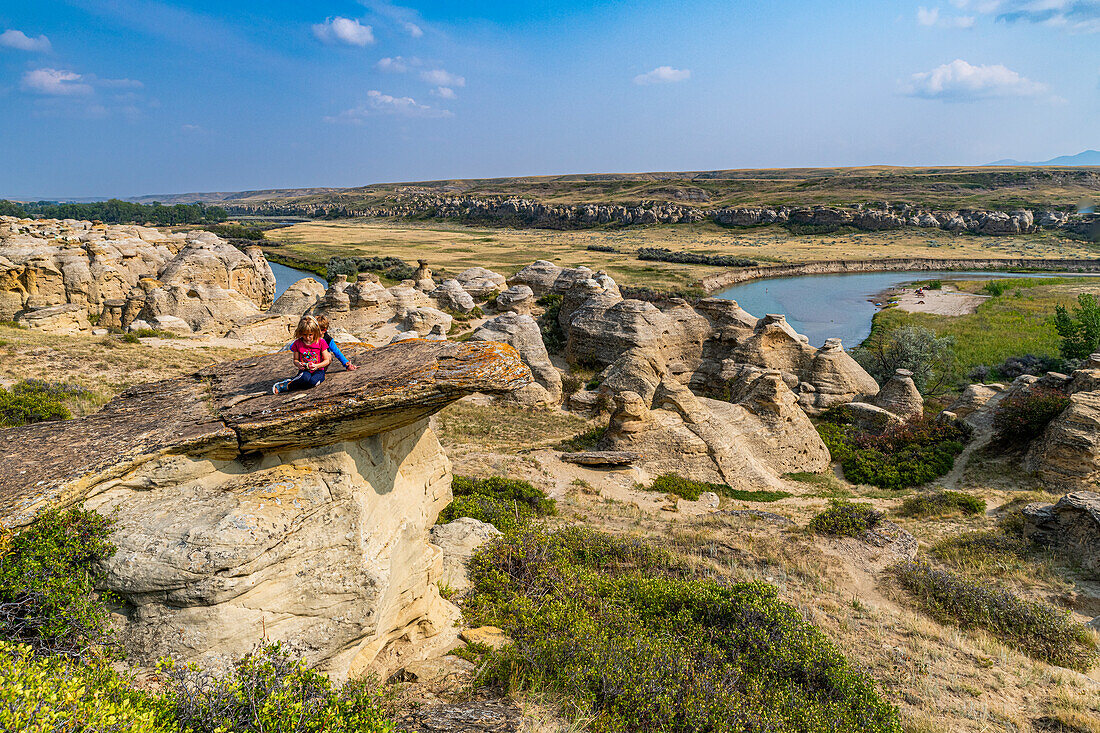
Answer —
(115, 211)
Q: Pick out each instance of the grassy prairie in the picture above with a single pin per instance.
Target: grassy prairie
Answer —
(452, 248)
(1017, 322)
(942, 187)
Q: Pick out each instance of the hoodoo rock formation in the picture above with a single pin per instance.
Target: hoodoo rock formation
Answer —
(302, 517)
(119, 274)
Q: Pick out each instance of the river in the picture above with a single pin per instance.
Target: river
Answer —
(287, 276)
(826, 306)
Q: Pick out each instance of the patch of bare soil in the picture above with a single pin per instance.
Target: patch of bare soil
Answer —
(945, 302)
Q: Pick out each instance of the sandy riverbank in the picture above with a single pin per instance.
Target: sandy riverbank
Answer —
(945, 302)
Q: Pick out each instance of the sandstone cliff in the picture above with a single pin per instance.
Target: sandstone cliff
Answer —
(302, 517)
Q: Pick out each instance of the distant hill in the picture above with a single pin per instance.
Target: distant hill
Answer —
(1087, 157)
(944, 187)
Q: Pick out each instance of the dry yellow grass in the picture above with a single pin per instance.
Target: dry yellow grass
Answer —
(454, 247)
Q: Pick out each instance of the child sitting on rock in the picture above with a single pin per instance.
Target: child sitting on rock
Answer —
(322, 321)
(311, 356)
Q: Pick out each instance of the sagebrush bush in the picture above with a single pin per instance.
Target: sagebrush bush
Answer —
(1023, 416)
(505, 503)
(394, 268)
(269, 690)
(1036, 628)
(33, 400)
(845, 519)
(941, 503)
(908, 455)
(48, 574)
(672, 483)
(629, 635)
(663, 254)
(56, 695)
(1034, 364)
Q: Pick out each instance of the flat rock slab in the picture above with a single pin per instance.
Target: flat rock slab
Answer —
(469, 717)
(602, 457)
(227, 410)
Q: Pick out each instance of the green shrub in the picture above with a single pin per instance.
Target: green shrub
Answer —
(934, 285)
(996, 287)
(904, 456)
(671, 483)
(505, 489)
(505, 503)
(929, 357)
(56, 695)
(571, 384)
(1036, 628)
(47, 578)
(1079, 330)
(393, 268)
(34, 400)
(131, 338)
(626, 634)
(587, 440)
(663, 254)
(268, 690)
(941, 503)
(553, 337)
(845, 519)
(1023, 416)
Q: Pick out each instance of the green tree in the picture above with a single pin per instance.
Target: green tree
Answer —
(931, 358)
(1079, 330)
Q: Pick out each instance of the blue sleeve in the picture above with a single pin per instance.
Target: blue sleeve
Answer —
(337, 353)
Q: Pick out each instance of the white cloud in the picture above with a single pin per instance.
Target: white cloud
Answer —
(384, 104)
(931, 17)
(662, 75)
(443, 78)
(1074, 16)
(398, 64)
(344, 30)
(927, 17)
(444, 93)
(959, 81)
(407, 19)
(21, 41)
(56, 83)
(413, 29)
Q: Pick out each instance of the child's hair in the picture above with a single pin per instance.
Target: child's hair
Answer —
(322, 321)
(308, 329)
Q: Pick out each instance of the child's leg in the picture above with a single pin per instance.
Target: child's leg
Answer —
(305, 380)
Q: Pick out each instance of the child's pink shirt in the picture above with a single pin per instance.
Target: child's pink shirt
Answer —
(310, 353)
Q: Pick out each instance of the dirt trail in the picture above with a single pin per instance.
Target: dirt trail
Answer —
(982, 422)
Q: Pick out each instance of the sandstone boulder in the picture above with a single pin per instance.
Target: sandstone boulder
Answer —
(298, 298)
(481, 283)
(206, 308)
(836, 378)
(973, 398)
(173, 325)
(64, 319)
(459, 540)
(1071, 527)
(516, 299)
(900, 396)
(304, 517)
(425, 320)
(522, 333)
(1067, 454)
(450, 296)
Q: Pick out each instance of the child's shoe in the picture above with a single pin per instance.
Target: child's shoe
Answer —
(280, 387)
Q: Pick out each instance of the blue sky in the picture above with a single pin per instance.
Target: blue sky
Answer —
(129, 97)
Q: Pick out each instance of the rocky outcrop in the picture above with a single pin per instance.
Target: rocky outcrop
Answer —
(1067, 454)
(302, 517)
(522, 333)
(450, 296)
(298, 298)
(481, 283)
(516, 299)
(49, 263)
(900, 396)
(515, 211)
(543, 277)
(747, 442)
(835, 378)
(459, 540)
(1071, 527)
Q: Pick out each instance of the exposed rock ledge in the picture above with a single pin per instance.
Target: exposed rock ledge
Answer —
(721, 280)
(304, 517)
